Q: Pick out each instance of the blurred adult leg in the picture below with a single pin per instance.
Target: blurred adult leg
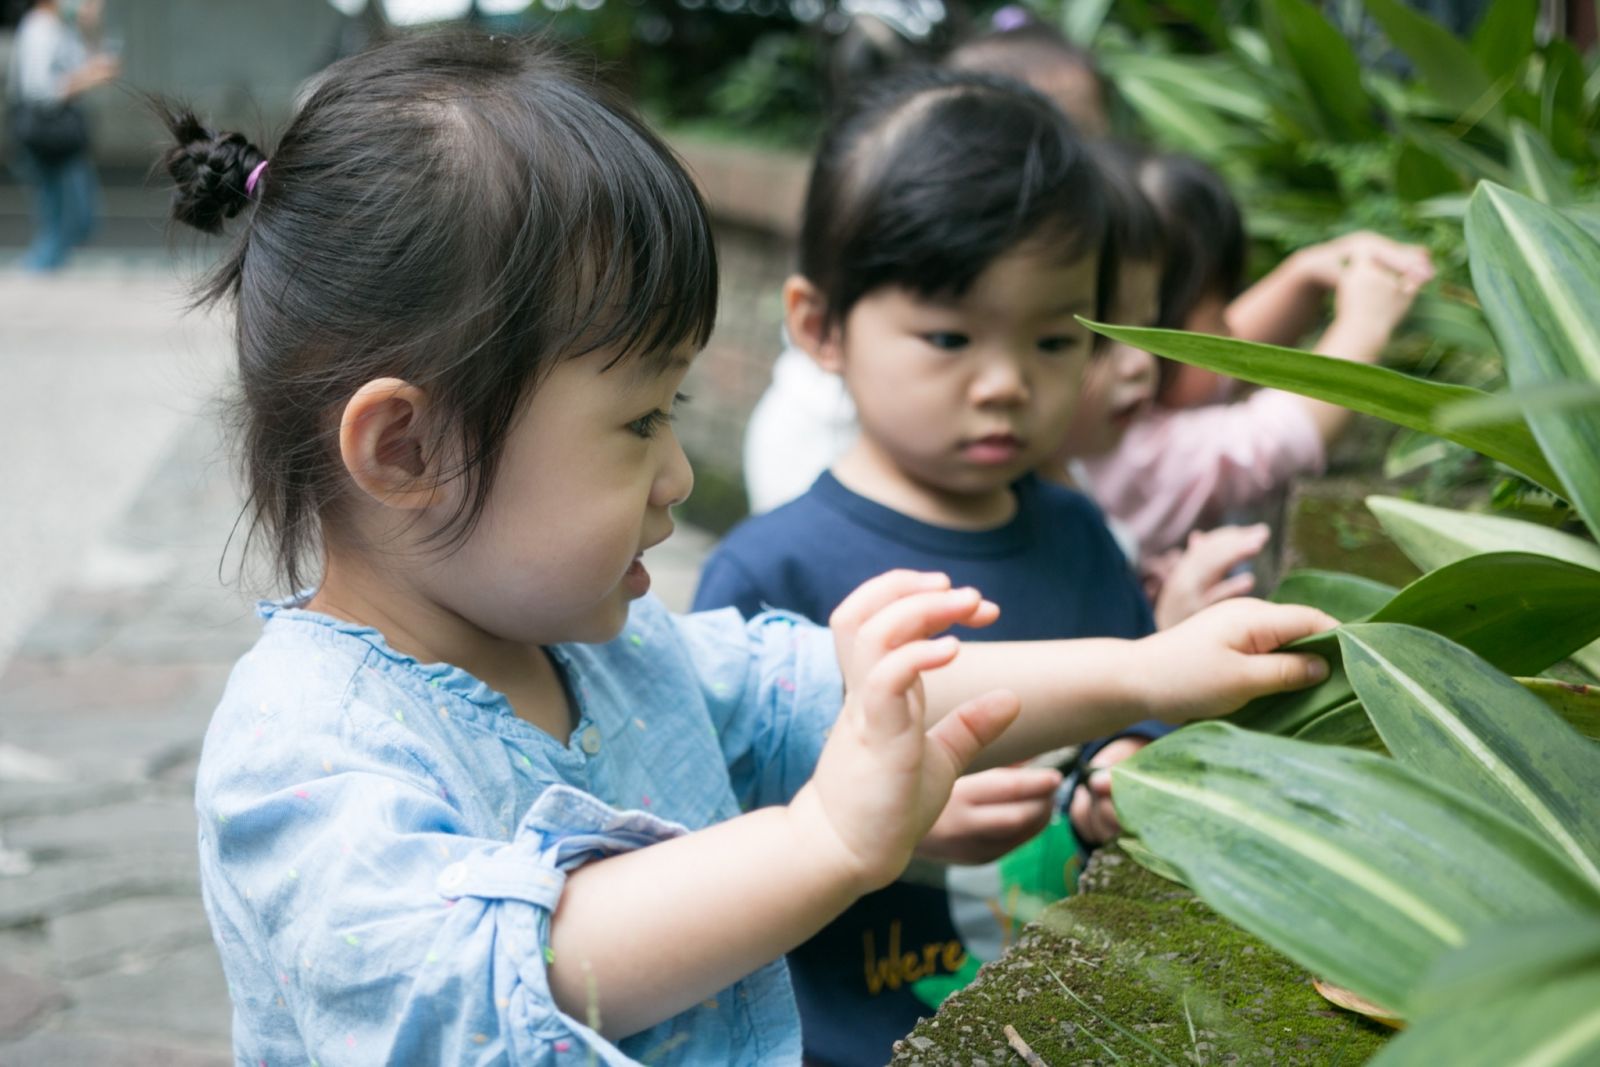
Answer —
(80, 202)
(48, 250)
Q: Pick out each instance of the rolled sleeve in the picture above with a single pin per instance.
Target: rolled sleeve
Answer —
(416, 942)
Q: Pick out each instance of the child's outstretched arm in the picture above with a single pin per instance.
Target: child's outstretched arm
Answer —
(1288, 300)
(644, 935)
(1070, 691)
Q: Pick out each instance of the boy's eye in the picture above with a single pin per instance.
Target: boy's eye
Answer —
(647, 424)
(1058, 344)
(945, 340)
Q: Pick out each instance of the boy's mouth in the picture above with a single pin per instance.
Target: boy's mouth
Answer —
(996, 449)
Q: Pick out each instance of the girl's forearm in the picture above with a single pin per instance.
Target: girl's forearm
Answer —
(1354, 340)
(1071, 691)
(1280, 308)
(642, 936)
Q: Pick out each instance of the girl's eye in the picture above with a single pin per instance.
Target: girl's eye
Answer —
(647, 424)
(949, 342)
(1059, 344)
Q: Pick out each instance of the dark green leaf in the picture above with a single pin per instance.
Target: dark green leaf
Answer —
(1504, 37)
(1325, 66)
(1350, 863)
(1344, 596)
(1457, 720)
(1537, 273)
(1443, 59)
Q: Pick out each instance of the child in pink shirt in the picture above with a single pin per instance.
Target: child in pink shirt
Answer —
(1190, 457)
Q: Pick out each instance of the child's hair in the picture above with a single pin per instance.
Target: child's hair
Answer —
(928, 177)
(1136, 233)
(455, 210)
(1205, 236)
(1033, 52)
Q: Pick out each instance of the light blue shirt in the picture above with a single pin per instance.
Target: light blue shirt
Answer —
(382, 841)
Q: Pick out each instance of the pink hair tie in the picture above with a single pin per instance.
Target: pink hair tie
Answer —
(255, 176)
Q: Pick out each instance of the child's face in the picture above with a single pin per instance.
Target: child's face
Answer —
(582, 490)
(1120, 382)
(963, 395)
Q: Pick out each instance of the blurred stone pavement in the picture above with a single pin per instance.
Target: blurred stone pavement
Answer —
(116, 635)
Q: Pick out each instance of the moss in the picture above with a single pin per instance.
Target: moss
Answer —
(1119, 972)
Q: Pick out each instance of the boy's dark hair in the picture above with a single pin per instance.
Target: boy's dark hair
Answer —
(1204, 234)
(928, 177)
(455, 210)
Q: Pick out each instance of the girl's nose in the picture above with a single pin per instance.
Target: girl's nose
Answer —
(1134, 364)
(675, 480)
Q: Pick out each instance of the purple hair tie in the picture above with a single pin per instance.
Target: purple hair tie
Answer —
(255, 176)
(1011, 17)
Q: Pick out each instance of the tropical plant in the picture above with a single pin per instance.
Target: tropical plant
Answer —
(1453, 874)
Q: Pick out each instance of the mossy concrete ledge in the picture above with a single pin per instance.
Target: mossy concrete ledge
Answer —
(1134, 969)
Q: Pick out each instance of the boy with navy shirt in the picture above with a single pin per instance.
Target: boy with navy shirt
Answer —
(964, 362)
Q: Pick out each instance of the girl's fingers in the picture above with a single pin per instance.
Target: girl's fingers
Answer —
(1020, 819)
(886, 711)
(1281, 672)
(878, 593)
(972, 726)
(914, 617)
(1263, 627)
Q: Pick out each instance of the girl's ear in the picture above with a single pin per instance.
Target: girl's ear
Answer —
(805, 313)
(382, 444)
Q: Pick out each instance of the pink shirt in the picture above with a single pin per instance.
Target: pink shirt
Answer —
(1177, 471)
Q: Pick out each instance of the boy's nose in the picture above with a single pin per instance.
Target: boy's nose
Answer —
(1000, 381)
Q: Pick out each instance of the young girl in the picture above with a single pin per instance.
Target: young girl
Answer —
(1187, 462)
(473, 796)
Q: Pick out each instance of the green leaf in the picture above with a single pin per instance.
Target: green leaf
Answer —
(1082, 21)
(1445, 62)
(1535, 167)
(1516, 405)
(1351, 864)
(1501, 960)
(1578, 705)
(1344, 596)
(1422, 175)
(1432, 537)
(1346, 725)
(1519, 610)
(1537, 273)
(1325, 66)
(1374, 390)
(1504, 38)
(1452, 717)
(1549, 1018)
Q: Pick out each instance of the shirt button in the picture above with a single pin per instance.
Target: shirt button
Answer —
(452, 876)
(590, 741)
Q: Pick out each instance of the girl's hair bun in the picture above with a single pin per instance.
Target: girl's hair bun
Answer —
(210, 170)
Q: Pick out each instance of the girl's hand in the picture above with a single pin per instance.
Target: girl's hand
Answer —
(1325, 264)
(882, 779)
(1222, 658)
(990, 813)
(1373, 296)
(1199, 577)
